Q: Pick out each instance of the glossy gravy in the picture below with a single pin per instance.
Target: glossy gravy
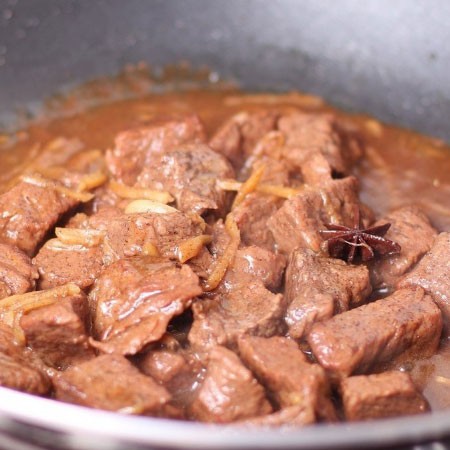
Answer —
(400, 167)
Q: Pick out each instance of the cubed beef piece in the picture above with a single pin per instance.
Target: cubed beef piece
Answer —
(298, 222)
(134, 149)
(18, 375)
(134, 299)
(29, 211)
(248, 308)
(383, 395)
(59, 263)
(229, 391)
(411, 229)
(163, 365)
(190, 173)
(249, 262)
(432, 273)
(110, 382)
(252, 217)
(309, 136)
(125, 235)
(405, 324)
(17, 368)
(276, 172)
(128, 234)
(318, 287)
(17, 275)
(57, 332)
(282, 368)
(237, 137)
(259, 263)
(178, 370)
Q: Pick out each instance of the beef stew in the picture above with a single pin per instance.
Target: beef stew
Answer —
(177, 242)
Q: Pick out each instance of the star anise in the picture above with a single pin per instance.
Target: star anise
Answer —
(358, 243)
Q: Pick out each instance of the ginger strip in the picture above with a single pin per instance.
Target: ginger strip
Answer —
(130, 192)
(221, 265)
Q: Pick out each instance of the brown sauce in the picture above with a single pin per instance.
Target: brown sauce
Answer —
(401, 167)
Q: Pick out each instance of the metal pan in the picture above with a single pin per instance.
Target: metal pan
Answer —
(389, 59)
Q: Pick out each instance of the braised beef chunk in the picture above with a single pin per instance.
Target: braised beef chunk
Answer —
(179, 370)
(283, 369)
(238, 136)
(57, 332)
(298, 222)
(245, 309)
(432, 273)
(411, 229)
(229, 391)
(121, 235)
(29, 211)
(317, 287)
(17, 275)
(258, 262)
(298, 137)
(59, 263)
(134, 299)
(134, 149)
(131, 234)
(311, 135)
(405, 324)
(251, 217)
(383, 395)
(110, 382)
(190, 174)
(17, 370)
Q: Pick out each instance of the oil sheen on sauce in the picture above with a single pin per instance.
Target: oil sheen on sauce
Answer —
(400, 167)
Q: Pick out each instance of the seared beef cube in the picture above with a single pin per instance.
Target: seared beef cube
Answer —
(17, 368)
(259, 263)
(252, 216)
(20, 376)
(411, 229)
(317, 287)
(134, 149)
(237, 137)
(190, 173)
(163, 365)
(129, 234)
(308, 307)
(383, 395)
(405, 324)
(298, 222)
(29, 211)
(308, 136)
(245, 309)
(283, 369)
(125, 235)
(17, 275)
(229, 391)
(57, 332)
(110, 382)
(59, 263)
(179, 371)
(134, 299)
(290, 417)
(432, 273)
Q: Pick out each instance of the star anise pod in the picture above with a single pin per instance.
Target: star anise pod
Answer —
(358, 243)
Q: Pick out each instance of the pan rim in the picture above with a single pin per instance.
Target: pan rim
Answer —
(91, 425)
